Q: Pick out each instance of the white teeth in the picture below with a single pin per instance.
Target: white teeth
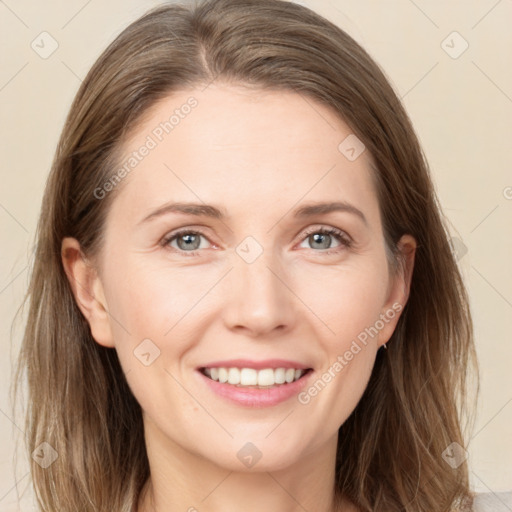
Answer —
(266, 377)
(234, 376)
(248, 377)
(279, 376)
(223, 375)
(251, 377)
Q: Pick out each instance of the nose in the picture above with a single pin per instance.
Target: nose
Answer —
(261, 300)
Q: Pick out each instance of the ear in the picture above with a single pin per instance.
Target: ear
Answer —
(399, 287)
(87, 290)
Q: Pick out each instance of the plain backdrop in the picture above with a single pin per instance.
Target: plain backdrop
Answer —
(450, 62)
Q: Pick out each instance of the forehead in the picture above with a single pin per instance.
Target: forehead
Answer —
(245, 147)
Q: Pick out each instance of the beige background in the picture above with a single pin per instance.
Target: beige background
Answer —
(461, 108)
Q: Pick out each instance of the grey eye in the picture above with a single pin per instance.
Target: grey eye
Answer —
(321, 240)
(187, 241)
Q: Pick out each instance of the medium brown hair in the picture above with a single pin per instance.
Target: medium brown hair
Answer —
(389, 456)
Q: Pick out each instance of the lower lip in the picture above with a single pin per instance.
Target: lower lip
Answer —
(254, 397)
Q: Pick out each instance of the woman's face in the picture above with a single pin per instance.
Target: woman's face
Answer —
(250, 283)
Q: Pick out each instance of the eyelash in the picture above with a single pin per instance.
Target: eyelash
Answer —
(343, 238)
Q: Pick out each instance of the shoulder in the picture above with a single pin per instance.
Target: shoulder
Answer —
(493, 502)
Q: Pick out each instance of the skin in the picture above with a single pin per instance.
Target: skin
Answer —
(258, 156)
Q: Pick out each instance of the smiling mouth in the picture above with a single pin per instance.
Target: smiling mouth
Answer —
(252, 378)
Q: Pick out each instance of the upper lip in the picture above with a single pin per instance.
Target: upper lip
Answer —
(257, 365)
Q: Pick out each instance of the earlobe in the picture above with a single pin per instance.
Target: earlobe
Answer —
(399, 287)
(87, 290)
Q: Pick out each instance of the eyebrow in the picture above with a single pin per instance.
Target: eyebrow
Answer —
(311, 209)
(207, 210)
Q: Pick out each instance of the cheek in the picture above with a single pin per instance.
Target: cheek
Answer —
(153, 300)
(347, 299)
(148, 307)
(350, 304)
(150, 298)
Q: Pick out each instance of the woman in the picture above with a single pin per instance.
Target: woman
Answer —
(188, 346)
